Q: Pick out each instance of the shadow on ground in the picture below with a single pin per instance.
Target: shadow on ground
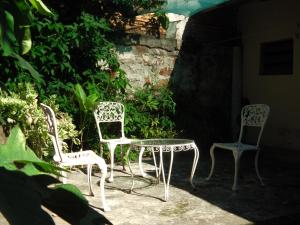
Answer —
(276, 203)
(29, 200)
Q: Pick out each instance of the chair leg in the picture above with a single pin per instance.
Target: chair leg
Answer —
(256, 167)
(212, 156)
(141, 162)
(132, 180)
(237, 155)
(122, 157)
(195, 161)
(103, 168)
(112, 148)
(89, 175)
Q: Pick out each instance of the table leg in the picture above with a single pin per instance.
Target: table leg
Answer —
(163, 172)
(155, 164)
(195, 162)
(160, 166)
(169, 175)
(141, 163)
(129, 165)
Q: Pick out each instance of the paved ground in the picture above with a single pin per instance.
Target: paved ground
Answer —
(212, 202)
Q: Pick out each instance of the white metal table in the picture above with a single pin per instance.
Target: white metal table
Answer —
(161, 146)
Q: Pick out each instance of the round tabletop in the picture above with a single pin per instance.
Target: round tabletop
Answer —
(165, 144)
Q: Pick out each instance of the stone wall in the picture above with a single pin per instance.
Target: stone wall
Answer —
(147, 64)
(150, 58)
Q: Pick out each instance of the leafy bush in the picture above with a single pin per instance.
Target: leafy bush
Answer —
(25, 178)
(79, 53)
(21, 108)
(149, 113)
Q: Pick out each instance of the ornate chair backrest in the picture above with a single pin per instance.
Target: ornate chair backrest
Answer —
(109, 112)
(254, 115)
(53, 132)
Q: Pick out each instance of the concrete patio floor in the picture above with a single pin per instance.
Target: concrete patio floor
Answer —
(212, 202)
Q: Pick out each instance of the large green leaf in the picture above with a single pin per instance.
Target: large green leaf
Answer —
(80, 96)
(7, 36)
(26, 42)
(91, 101)
(41, 7)
(15, 21)
(23, 17)
(26, 65)
(14, 155)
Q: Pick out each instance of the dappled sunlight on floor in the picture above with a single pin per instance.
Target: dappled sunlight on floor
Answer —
(212, 202)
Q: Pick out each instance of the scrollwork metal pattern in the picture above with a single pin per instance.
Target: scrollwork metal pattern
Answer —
(255, 115)
(166, 147)
(109, 112)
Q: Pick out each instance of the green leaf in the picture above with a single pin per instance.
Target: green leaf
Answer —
(30, 170)
(26, 42)
(41, 7)
(91, 101)
(26, 65)
(21, 12)
(14, 155)
(7, 36)
(81, 97)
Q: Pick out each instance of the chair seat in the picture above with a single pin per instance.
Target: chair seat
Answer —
(122, 141)
(81, 158)
(236, 146)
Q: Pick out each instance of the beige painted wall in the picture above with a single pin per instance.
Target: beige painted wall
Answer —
(263, 22)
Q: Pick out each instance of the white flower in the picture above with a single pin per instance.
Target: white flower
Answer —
(102, 64)
(9, 120)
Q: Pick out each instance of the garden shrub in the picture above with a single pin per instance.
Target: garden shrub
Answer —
(80, 53)
(149, 113)
(21, 108)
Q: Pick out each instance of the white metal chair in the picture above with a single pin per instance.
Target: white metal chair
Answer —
(253, 116)
(111, 112)
(87, 157)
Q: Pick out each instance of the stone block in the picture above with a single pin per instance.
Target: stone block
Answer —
(166, 72)
(163, 83)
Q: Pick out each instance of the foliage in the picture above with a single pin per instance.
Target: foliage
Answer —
(86, 105)
(80, 67)
(15, 20)
(15, 155)
(135, 7)
(26, 178)
(21, 107)
(15, 35)
(149, 113)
